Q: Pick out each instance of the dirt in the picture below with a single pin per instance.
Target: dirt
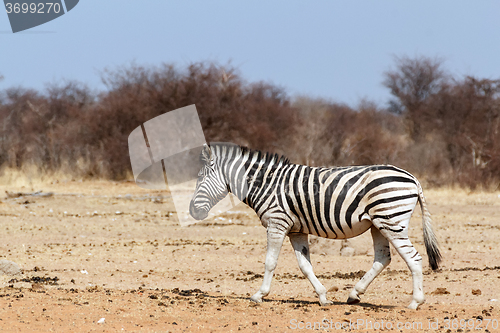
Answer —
(110, 256)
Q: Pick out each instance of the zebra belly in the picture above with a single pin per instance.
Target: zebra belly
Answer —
(357, 228)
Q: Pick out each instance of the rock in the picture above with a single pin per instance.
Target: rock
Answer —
(440, 291)
(346, 250)
(362, 245)
(323, 246)
(9, 268)
(37, 287)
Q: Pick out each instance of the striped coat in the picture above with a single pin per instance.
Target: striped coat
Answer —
(296, 200)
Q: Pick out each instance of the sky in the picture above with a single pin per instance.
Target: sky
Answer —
(337, 50)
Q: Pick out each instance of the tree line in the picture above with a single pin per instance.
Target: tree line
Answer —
(442, 128)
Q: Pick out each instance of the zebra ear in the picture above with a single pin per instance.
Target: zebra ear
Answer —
(206, 153)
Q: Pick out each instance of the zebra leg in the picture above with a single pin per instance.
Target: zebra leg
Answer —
(382, 258)
(274, 243)
(397, 234)
(301, 247)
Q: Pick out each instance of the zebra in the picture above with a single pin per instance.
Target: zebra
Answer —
(340, 202)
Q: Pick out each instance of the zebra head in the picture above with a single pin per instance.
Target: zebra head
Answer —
(211, 186)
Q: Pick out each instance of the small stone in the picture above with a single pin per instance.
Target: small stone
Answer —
(101, 321)
(476, 292)
(440, 291)
(9, 268)
(346, 250)
(37, 286)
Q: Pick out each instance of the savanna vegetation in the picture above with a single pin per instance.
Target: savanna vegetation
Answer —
(442, 128)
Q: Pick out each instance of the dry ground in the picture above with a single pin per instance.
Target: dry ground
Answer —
(141, 271)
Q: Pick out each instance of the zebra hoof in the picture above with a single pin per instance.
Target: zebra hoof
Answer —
(325, 303)
(256, 299)
(353, 300)
(413, 305)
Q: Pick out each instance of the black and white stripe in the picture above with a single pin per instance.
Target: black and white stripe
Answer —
(297, 200)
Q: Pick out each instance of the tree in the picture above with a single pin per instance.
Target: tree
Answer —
(412, 83)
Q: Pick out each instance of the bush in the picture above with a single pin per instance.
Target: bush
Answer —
(443, 129)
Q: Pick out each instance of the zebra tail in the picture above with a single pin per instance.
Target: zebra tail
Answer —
(430, 241)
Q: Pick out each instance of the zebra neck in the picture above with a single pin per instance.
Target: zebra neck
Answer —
(233, 173)
(261, 182)
(252, 176)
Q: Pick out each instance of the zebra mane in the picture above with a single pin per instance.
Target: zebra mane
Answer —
(266, 157)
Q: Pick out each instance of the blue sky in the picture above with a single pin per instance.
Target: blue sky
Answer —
(337, 50)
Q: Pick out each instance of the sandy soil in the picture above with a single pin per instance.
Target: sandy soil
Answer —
(111, 250)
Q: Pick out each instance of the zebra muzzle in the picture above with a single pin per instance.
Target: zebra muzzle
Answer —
(197, 214)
